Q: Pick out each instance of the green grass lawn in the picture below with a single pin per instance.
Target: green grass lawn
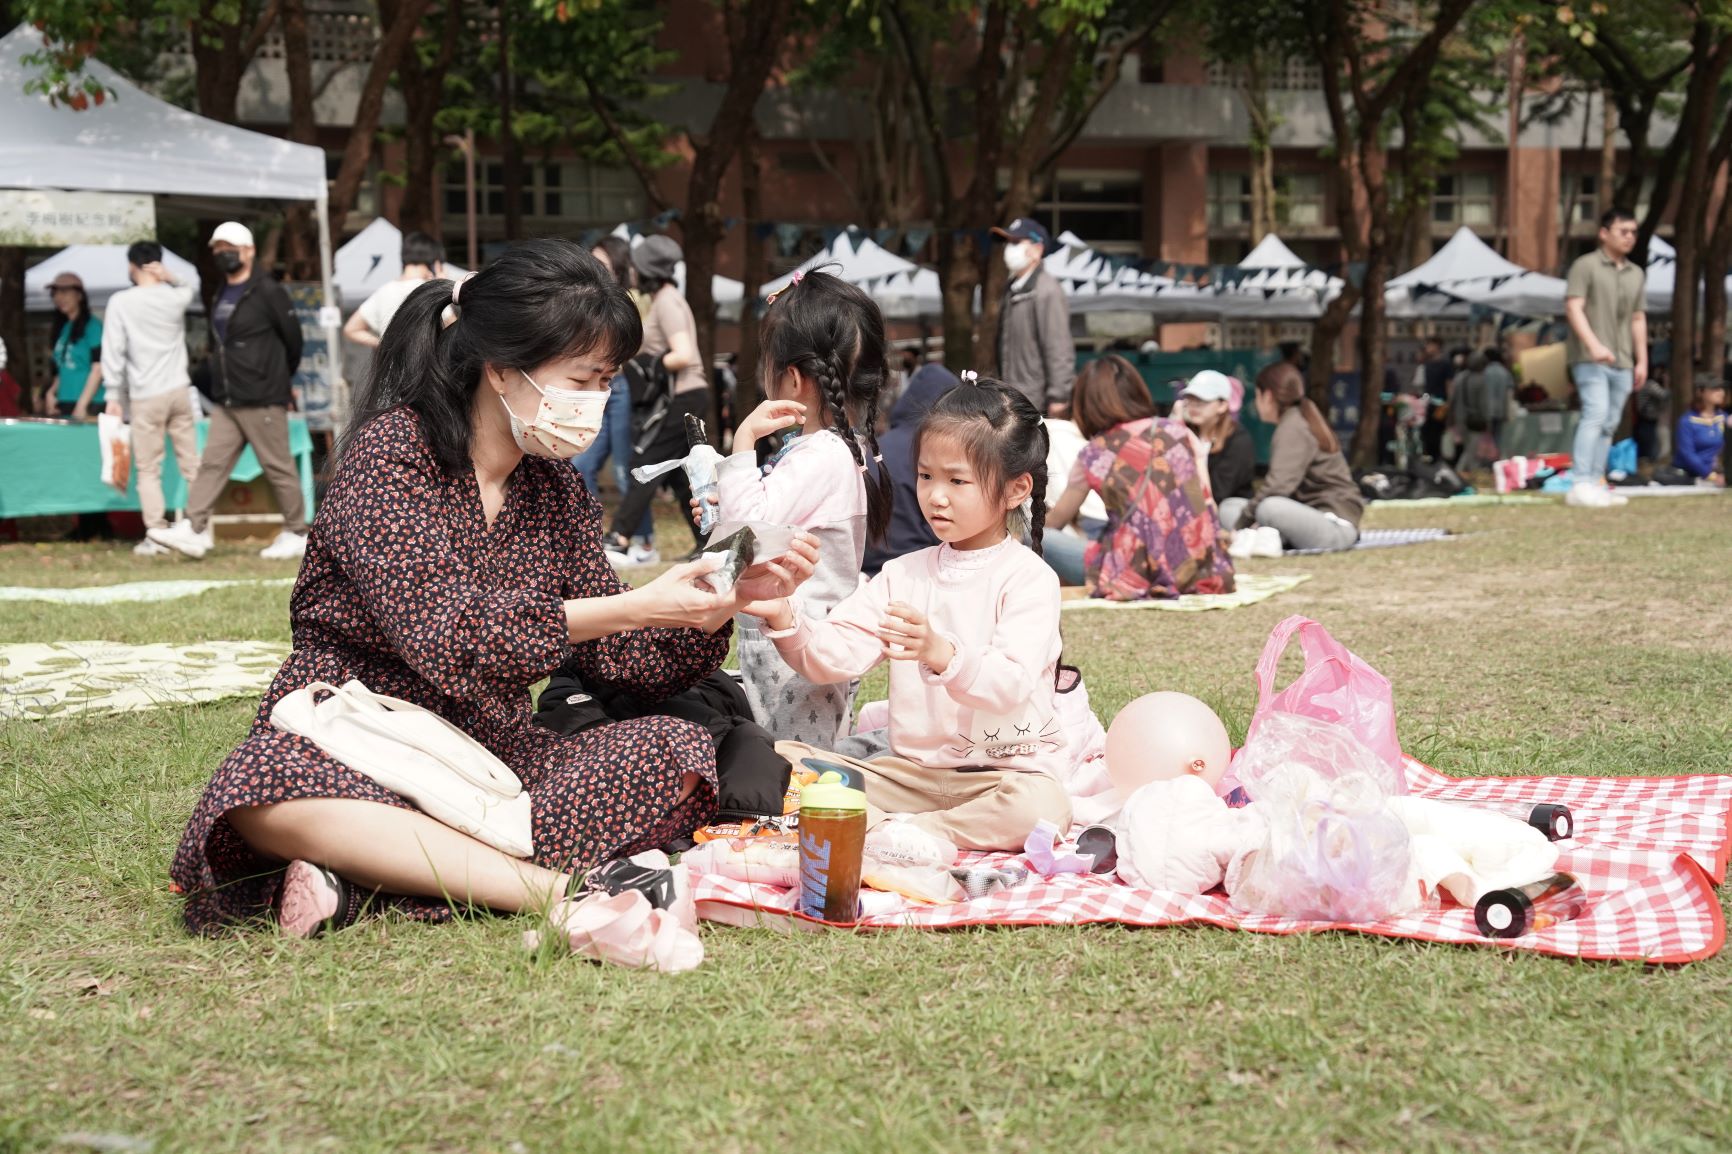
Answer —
(1553, 640)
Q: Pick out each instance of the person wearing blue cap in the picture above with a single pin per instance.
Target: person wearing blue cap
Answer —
(1035, 352)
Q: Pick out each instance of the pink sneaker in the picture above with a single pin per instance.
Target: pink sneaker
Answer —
(313, 900)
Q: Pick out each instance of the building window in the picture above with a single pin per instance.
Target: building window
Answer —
(1299, 199)
(571, 191)
(1468, 198)
(1229, 199)
(1103, 208)
(1297, 74)
(367, 196)
(1581, 199)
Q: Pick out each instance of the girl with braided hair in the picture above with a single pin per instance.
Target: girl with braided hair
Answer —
(823, 369)
(970, 628)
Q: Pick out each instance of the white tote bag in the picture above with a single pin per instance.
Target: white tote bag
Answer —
(417, 755)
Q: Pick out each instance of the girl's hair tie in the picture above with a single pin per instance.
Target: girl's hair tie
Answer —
(970, 376)
(449, 316)
(795, 278)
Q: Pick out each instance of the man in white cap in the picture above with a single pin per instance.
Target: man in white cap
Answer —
(1206, 405)
(256, 350)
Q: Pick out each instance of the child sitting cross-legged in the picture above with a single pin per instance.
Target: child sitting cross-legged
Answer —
(971, 629)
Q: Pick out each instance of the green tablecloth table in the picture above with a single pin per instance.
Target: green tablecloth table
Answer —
(50, 467)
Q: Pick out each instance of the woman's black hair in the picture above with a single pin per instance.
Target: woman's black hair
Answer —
(832, 332)
(539, 300)
(618, 257)
(79, 323)
(1003, 436)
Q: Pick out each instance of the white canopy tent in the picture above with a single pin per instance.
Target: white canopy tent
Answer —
(903, 289)
(102, 268)
(1093, 285)
(371, 259)
(134, 142)
(1467, 268)
(728, 293)
(1281, 286)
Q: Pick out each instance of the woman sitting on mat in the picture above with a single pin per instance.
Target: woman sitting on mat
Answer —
(456, 561)
(1162, 537)
(1309, 499)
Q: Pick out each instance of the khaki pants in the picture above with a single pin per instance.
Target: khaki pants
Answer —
(984, 809)
(266, 429)
(167, 414)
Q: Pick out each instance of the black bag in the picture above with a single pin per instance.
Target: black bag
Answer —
(1433, 479)
(652, 395)
(1672, 475)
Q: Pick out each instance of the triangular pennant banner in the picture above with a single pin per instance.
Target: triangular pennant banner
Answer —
(788, 238)
(883, 237)
(915, 239)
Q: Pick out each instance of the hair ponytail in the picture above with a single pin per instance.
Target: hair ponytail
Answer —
(1003, 436)
(833, 333)
(1289, 392)
(538, 301)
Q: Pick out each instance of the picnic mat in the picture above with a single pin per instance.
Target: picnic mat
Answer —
(131, 591)
(1648, 851)
(1250, 588)
(1667, 490)
(69, 678)
(1383, 539)
(1464, 501)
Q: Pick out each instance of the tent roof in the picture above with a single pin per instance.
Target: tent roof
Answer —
(1468, 268)
(903, 289)
(1464, 258)
(134, 142)
(371, 259)
(102, 268)
(1272, 252)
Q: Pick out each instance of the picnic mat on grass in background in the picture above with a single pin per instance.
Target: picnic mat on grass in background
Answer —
(1648, 851)
(1464, 501)
(1250, 589)
(1384, 539)
(131, 591)
(69, 678)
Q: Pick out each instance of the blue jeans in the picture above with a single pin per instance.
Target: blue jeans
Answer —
(613, 441)
(1603, 391)
(1064, 552)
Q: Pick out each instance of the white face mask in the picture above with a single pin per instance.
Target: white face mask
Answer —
(564, 424)
(1018, 257)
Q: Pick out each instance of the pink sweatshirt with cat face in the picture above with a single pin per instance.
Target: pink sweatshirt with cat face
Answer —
(994, 705)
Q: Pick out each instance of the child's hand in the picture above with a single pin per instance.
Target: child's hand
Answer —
(768, 584)
(907, 636)
(767, 418)
(697, 511)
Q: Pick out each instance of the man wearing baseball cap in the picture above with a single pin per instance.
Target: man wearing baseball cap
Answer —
(1208, 409)
(1035, 350)
(254, 354)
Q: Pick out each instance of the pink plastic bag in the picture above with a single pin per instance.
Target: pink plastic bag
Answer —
(1335, 687)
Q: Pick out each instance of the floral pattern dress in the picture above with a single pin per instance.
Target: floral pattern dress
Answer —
(406, 588)
(1163, 532)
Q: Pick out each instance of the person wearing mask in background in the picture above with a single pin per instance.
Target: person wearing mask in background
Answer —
(1607, 349)
(1701, 437)
(908, 531)
(1309, 499)
(670, 335)
(614, 441)
(423, 259)
(256, 349)
(144, 369)
(76, 390)
(1036, 355)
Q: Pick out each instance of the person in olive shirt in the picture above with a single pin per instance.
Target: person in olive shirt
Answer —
(1309, 496)
(1607, 349)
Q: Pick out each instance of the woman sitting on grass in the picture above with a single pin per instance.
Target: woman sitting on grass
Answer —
(1162, 537)
(1309, 499)
(457, 560)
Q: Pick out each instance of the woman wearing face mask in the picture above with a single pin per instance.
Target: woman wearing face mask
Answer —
(456, 561)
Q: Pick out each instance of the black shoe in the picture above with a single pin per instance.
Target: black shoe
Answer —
(620, 875)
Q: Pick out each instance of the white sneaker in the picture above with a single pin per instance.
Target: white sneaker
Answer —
(1613, 497)
(1244, 544)
(1587, 495)
(149, 548)
(643, 555)
(897, 841)
(1268, 542)
(287, 547)
(182, 539)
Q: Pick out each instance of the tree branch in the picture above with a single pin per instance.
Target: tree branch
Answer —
(633, 158)
(256, 38)
(931, 134)
(1111, 67)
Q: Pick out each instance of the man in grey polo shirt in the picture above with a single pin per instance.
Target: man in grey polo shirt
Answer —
(1607, 349)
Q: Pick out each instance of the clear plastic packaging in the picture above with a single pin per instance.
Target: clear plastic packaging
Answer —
(1336, 850)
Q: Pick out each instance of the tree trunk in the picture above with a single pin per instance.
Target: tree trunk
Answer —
(1608, 154)
(393, 43)
(1325, 338)
(12, 324)
(510, 152)
(1716, 259)
(958, 274)
(1363, 452)
(757, 267)
(423, 89)
(1710, 59)
(300, 231)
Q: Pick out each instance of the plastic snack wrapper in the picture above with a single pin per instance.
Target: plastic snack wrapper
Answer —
(737, 550)
(928, 884)
(1047, 859)
(981, 881)
(759, 860)
(1336, 849)
(700, 464)
(115, 438)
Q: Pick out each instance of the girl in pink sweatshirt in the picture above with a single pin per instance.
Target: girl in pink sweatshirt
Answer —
(971, 631)
(823, 371)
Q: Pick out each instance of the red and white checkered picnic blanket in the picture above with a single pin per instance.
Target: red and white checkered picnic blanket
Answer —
(1648, 850)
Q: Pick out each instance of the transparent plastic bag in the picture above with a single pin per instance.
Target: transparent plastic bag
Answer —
(1336, 849)
(1337, 686)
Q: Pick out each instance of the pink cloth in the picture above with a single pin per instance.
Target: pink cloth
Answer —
(994, 705)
